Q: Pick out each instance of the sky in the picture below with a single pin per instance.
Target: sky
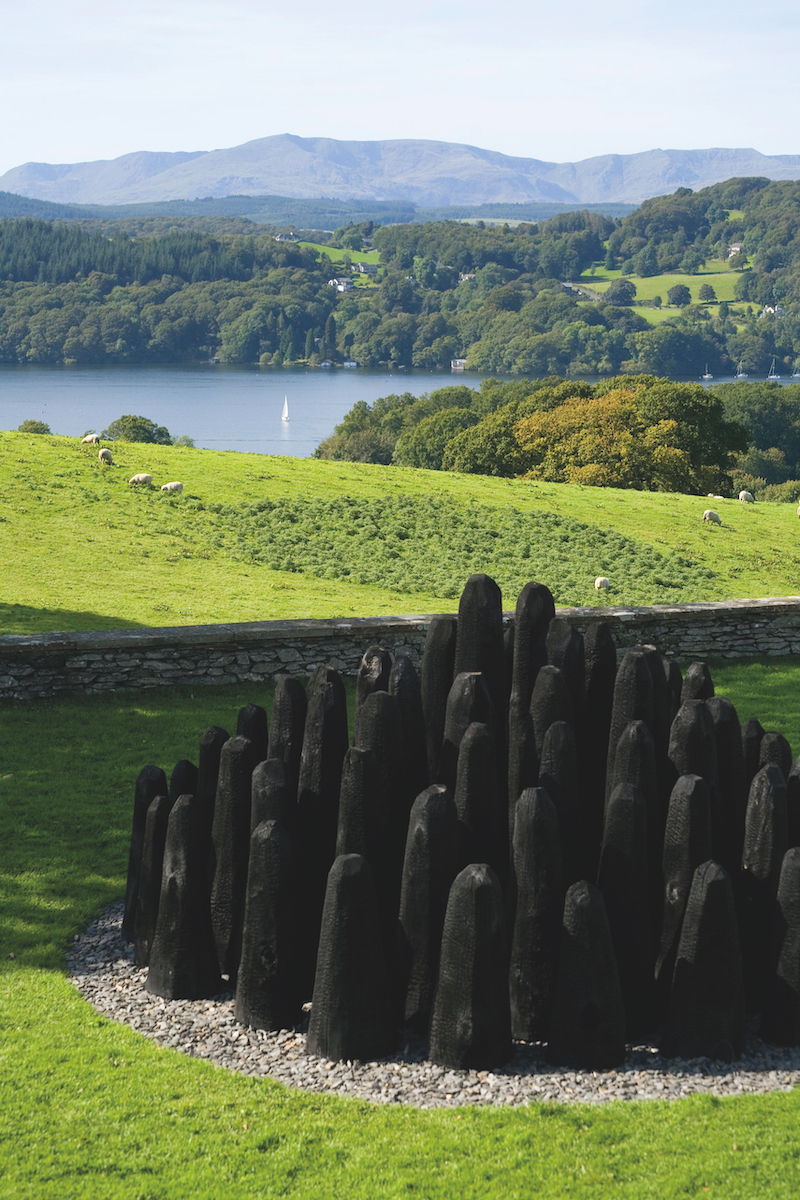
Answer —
(555, 81)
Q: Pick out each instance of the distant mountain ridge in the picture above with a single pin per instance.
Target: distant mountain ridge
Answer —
(413, 170)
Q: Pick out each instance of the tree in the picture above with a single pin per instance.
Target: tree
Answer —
(328, 347)
(137, 429)
(679, 295)
(33, 427)
(622, 291)
(706, 295)
(657, 437)
(424, 445)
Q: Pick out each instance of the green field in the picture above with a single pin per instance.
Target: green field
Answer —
(92, 1109)
(337, 255)
(256, 537)
(723, 283)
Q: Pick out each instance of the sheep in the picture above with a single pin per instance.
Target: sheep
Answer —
(176, 487)
(141, 478)
(601, 583)
(105, 456)
(713, 518)
(91, 439)
(746, 498)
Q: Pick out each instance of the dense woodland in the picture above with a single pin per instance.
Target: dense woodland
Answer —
(148, 289)
(629, 431)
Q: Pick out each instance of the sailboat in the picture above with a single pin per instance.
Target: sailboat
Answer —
(285, 413)
(740, 374)
(708, 374)
(772, 373)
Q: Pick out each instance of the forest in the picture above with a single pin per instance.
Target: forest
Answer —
(151, 289)
(634, 431)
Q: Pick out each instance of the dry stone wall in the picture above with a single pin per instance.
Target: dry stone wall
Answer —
(44, 664)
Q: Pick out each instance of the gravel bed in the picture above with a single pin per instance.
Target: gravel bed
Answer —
(102, 968)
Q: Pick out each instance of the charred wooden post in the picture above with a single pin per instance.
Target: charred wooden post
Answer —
(350, 1011)
(151, 782)
(471, 1022)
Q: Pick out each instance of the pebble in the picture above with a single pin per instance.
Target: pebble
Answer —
(101, 965)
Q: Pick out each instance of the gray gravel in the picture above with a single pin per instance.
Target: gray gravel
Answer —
(102, 968)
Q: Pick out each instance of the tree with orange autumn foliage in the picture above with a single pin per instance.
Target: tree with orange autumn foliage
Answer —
(663, 437)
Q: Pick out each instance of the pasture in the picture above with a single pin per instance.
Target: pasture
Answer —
(90, 1108)
(256, 537)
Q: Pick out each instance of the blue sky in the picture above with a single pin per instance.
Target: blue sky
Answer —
(556, 81)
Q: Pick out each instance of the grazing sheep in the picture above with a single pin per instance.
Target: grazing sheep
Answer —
(746, 498)
(713, 518)
(141, 478)
(105, 456)
(91, 439)
(602, 582)
(175, 487)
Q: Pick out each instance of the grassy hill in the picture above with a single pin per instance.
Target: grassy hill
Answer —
(256, 537)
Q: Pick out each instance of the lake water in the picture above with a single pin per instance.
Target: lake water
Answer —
(222, 407)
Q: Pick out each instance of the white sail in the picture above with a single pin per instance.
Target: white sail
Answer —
(285, 413)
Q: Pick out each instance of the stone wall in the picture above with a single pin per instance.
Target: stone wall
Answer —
(43, 664)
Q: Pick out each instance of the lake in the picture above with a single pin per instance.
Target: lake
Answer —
(220, 406)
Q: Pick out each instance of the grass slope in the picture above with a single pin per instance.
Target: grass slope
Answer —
(83, 550)
(89, 1108)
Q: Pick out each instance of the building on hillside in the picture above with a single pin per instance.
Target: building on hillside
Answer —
(365, 268)
(458, 364)
(342, 285)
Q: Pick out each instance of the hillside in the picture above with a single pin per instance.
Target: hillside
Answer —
(409, 170)
(254, 537)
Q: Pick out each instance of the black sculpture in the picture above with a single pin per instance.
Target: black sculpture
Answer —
(706, 1004)
(404, 685)
(539, 894)
(183, 780)
(268, 983)
(471, 1022)
(183, 957)
(765, 843)
(697, 683)
(774, 748)
(436, 679)
(429, 868)
(781, 1019)
(288, 724)
(149, 894)
(481, 816)
(350, 1011)
(231, 848)
(587, 1028)
(252, 724)
(467, 701)
(273, 796)
(479, 639)
(633, 701)
(150, 783)
(687, 844)
(373, 676)
(622, 879)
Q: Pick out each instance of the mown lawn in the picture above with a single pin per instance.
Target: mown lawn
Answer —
(90, 1109)
(255, 537)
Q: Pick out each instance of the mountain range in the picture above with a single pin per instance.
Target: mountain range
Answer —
(413, 170)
